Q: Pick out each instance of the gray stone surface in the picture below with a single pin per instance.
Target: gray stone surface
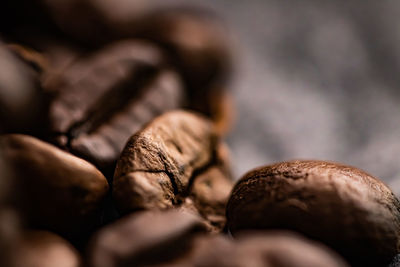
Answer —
(316, 80)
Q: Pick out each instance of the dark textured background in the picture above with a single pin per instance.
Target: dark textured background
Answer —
(316, 80)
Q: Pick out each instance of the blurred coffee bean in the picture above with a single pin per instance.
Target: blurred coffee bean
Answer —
(51, 188)
(341, 206)
(175, 161)
(23, 102)
(144, 239)
(257, 249)
(44, 249)
(106, 97)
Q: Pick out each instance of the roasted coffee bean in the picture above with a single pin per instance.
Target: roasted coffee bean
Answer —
(344, 207)
(43, 249)
(176, 238)
(144, 238)
(175, 161)
(258, 249)
(105, 98)
(51, 188)
(23, 103)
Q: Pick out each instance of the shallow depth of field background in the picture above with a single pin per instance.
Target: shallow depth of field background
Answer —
(316, 80)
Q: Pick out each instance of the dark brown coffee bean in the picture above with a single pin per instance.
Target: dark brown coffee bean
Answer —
(105, 98)
(23, 103)
(144, 239)
(53, 189)
(341, 206)
(272, 249)
(175, 161)
(44, 249)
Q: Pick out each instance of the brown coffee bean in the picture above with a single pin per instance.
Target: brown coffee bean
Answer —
(105, 98)
(53, 189)
(344, 207)
(144, 238)
(23, 103)
(175, 161)
(272, 249)
(44, 249)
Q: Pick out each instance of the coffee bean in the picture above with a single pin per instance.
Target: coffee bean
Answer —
(175, 161)
(105, 98)
(176, 238)
(51, 188)
(44, 249)
(344, 207)
(144, 238)
(272, 249)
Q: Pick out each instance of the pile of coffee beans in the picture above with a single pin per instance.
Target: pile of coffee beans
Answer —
(112, 119)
